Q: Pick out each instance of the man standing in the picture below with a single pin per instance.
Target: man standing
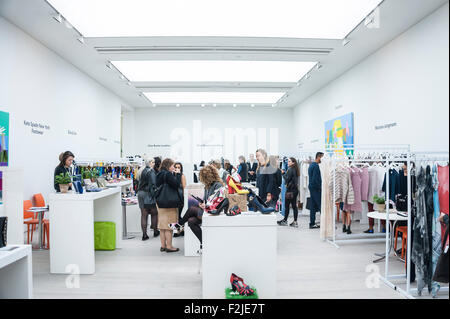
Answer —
(252, 165)
(315, 188)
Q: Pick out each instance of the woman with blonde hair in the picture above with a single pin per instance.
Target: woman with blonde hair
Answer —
(209, 176)
(264, 175)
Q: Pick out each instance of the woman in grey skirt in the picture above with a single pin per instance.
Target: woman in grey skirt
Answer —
(147, 203)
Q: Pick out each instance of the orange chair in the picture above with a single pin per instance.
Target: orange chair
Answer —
(29, 219)
(39, 201)
(404, 231)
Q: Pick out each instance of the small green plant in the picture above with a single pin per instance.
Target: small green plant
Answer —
(63, 179)
(95, 173)
(87, 174)
(379, 200)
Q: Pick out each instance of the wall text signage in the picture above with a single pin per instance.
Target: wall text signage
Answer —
(37, 128)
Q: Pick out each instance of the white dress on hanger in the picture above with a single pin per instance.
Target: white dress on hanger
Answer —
(326, 212)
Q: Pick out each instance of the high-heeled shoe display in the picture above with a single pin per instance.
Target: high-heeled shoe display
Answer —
(223, 206)
(238, 284)
(235, 186)
(258, 205)
(234, 211)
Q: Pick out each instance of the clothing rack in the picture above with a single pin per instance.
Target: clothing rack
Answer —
(358, 154)
(416, 157)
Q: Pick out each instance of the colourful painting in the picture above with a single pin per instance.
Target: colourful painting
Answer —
(339, 133)
(4, 144)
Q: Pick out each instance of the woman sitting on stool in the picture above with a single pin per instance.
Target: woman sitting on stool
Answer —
(209, 176)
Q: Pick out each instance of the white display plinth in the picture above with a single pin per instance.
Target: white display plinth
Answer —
(245, 245)
(16, 275)
(13, 186)
(72, 228)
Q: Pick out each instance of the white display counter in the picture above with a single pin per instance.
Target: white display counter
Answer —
(72, 227)
(16, 275)
(245, 245)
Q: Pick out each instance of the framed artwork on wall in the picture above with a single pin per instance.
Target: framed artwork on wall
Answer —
(339, 134)
(4, 144)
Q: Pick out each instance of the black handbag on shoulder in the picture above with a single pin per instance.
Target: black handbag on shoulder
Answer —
(3, 231)
(167, 196)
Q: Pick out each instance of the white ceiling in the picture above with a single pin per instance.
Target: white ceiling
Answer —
(36, 18)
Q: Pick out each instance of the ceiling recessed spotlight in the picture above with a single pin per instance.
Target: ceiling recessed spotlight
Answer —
(299, 83)
(129, 83)
(345, 42)
(121, 77)
(214, 105)
(58, 18)
(234, 105)
(318, 66)
(178, 105)
(154, 105)
(109, 65)
(307, 76)
(273, 105)
(253, 105)
(203, 105)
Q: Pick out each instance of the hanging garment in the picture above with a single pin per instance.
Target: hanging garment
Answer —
(374, 184)
(304, 181)
(393, 184)
(443, 192)
(355, 174)
(341, 183)
(326, 215)
(364, 183)
(436, 231)
(421, 248)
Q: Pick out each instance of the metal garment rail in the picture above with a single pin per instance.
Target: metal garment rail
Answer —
(365, 153)
(417, 157)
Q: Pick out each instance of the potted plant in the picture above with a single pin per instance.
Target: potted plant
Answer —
(379, 203)
(63, 180)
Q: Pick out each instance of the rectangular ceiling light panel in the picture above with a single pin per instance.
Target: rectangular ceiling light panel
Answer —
(214, 71)
(328, 19)
(214, 97)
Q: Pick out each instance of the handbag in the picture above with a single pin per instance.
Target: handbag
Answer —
(401, 203)
(442, 266)
(3, 231)
(167, 196)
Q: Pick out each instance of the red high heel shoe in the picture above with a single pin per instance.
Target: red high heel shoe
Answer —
(238, 284)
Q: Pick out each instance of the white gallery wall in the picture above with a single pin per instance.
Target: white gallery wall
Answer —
(192, 134)
(399, 94)
(71, 110)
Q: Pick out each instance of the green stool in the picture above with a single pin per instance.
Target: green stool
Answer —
(104, 235)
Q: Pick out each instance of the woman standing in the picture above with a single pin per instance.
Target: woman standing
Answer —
(264, 175)
(291, 179)
(65, 161)
(179, 169)
(146, 198)
(243, 169)
(209, 176)
(166, 216)
(228, 167)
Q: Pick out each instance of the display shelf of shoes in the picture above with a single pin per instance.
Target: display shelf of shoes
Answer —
(244, 244)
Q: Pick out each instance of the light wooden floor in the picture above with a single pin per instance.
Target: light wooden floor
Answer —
(307, 268)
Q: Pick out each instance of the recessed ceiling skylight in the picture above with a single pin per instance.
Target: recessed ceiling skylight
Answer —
(331, 19)
(215, 71)
(214, 97)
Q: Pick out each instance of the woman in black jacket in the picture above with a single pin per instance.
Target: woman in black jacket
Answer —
(146, 199)
(209, 176)
(291, 180)
(243, 169)
(265, 175)
(65, 161)
(167, 216)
